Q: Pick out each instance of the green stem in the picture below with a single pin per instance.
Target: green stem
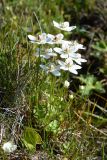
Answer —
(38, 77)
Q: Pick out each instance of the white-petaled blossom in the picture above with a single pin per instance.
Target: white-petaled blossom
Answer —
(40, 39)
(9, 147)
(67, 49)
(47, 53)
(56, 39)
(66, 84)
(51, 68)
(77, 58)
(68, 65)
(64, 26)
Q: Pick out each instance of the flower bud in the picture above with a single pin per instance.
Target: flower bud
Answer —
(66, 84)
(9, 147)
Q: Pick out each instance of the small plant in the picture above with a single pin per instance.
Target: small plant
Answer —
(40, 117)
(55, 57)
(100, 52)
(100, 49)
(90, 84)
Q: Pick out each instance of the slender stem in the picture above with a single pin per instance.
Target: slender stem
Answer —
(38, 77)
(38, 21)
(3, 5)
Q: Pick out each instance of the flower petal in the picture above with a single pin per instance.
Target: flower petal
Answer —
(43, 67)
(64, 55)
(70, 28)
(56, 73)
(64, 68)
(58, 50)
(32, 38)
(72, 70)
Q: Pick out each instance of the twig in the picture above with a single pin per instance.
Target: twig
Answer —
(96, 129)
(2, 132)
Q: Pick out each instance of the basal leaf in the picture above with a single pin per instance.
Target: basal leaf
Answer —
(30, 138)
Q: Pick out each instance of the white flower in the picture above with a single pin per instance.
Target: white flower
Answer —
(68, 51)
(40, 39)
(66, 84)
(76, 45)
(48, 53)
(71, 96)
(61, 99)
(64, 26)
(9, 147)
(68, 48)
(77, 58)
(56, 39)
(82, 87)
(65, 51)
(68, 65)
(51, 68)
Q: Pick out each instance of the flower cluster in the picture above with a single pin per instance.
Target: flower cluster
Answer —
(64, 57)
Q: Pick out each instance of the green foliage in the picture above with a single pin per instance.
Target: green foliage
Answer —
(90, 84)
(53, 127)
(100, 48)
(100, 51)
(31, 138)
(68, 127)
(3, 155)
(84, 4)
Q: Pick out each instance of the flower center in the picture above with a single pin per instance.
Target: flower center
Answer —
(52, 68)
(64, 25)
